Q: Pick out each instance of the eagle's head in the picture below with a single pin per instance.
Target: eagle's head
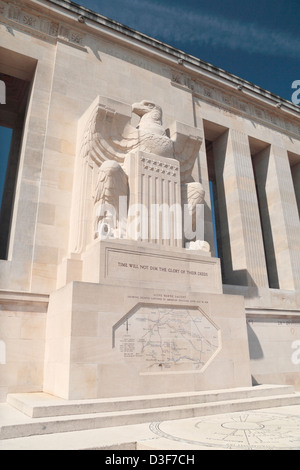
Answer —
(149, 108)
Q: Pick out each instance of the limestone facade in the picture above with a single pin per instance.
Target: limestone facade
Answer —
(66, 57)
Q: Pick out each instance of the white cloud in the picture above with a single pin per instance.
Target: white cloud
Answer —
(176, 24)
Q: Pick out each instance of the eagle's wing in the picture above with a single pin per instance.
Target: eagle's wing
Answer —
(187, 142)
(108, 134)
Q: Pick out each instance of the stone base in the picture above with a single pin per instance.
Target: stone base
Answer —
(111, 341)
(22, 342)
(125, 263)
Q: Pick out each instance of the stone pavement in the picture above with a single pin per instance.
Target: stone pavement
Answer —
(264, 429)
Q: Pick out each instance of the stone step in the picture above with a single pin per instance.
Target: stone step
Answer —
(40, 426)
(42, 405)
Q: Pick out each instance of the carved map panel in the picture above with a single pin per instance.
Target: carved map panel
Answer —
(167, 339)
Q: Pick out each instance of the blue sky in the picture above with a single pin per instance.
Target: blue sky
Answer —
(258, 40)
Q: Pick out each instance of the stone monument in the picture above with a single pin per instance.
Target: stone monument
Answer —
(140, 307)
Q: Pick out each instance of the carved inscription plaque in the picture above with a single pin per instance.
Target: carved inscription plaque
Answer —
(202, 274)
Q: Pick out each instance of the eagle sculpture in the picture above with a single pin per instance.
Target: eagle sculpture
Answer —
(109, 137)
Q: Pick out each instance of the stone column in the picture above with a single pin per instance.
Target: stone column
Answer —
(280, 217)
(243, 257)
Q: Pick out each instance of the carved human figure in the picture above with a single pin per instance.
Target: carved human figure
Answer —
(111, 185)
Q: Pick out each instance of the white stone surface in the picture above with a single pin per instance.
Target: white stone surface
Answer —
(121, 262)
(22, 333)
(252, 427)
(82, 360)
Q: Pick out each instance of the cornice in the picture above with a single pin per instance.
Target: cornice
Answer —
(68, 22)
(182, 59)
(38, 23)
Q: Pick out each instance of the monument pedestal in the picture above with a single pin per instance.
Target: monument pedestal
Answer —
(133, 264)
(144, 321)
(141, 315)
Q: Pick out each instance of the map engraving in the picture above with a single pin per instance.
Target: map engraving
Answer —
(165, 338)
(248, 430)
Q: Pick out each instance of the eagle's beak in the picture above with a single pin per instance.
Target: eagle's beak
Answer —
(139, 109)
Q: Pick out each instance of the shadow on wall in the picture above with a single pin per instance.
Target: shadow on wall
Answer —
(254, 381)
(255, 349)
(242, 277)
(94, 47)
(242, 284)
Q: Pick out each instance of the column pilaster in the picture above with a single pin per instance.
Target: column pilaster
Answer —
(243, 257)
(280, 217)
